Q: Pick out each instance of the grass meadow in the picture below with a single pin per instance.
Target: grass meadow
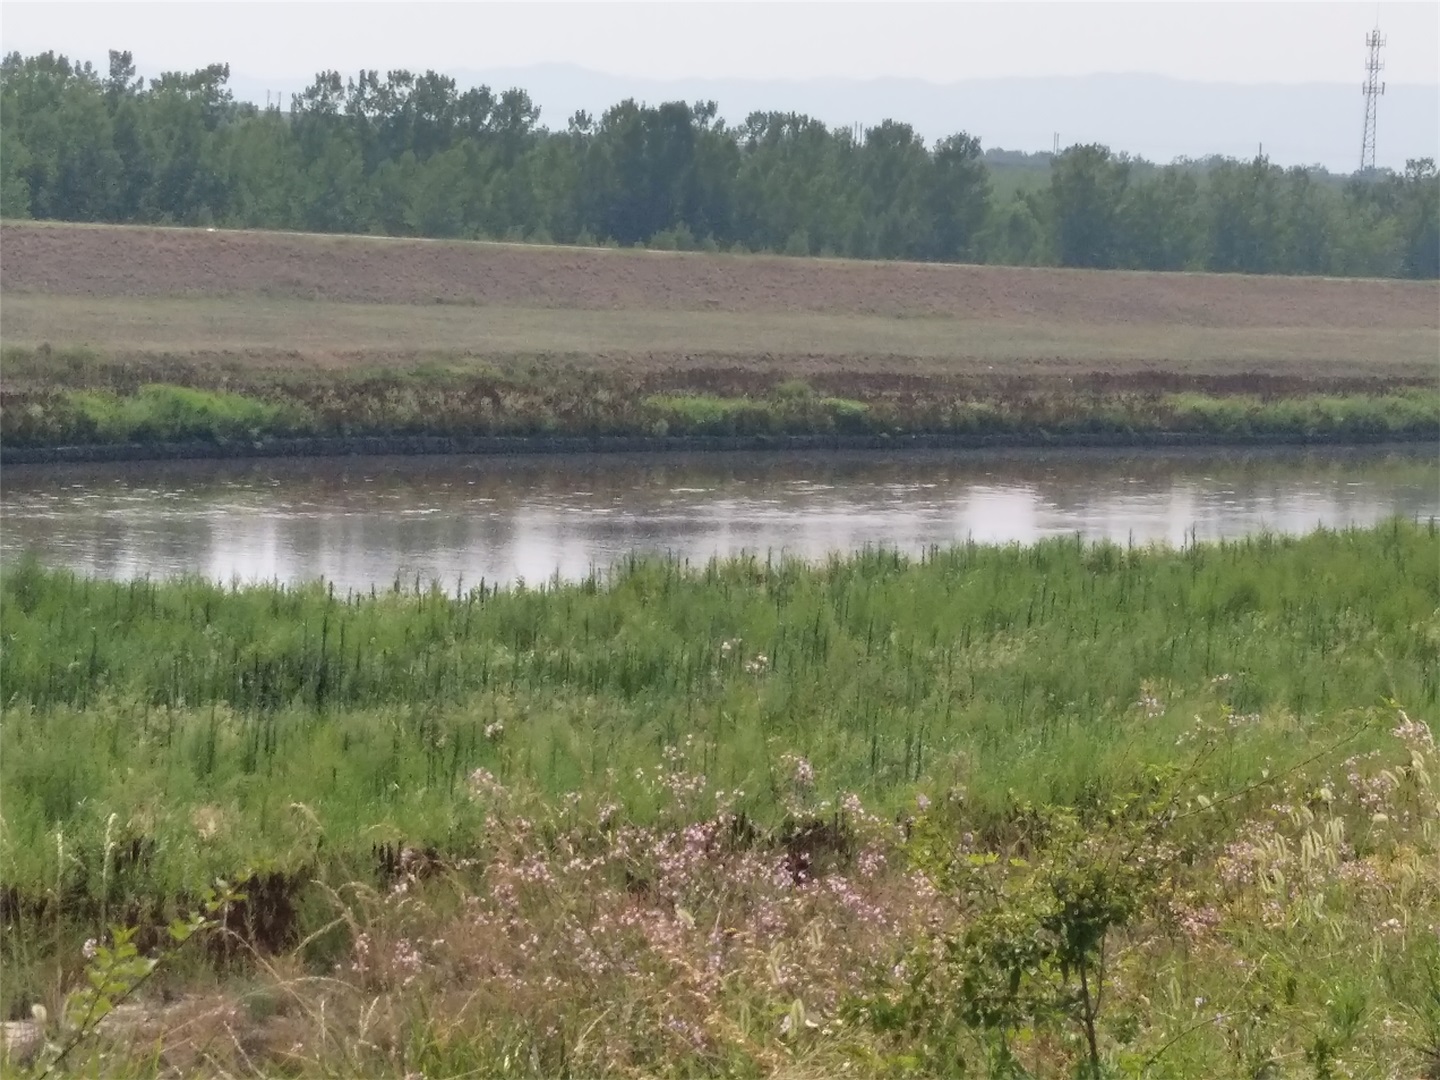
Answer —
(1058, 810)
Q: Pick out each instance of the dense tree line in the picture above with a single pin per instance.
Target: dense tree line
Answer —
(409, 154)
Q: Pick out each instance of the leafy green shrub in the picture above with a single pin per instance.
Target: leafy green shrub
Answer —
(793, 390)
(850, 417)
(1029, 954)
(1227, 415)
(1409, 412)
(168, 413)
(700, 414)
(679, 238)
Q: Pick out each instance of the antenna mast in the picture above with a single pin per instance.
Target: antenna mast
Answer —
(1372, 88)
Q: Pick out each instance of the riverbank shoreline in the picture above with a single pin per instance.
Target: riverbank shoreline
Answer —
(515, 446)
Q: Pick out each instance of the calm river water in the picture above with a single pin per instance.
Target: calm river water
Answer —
(366, 521)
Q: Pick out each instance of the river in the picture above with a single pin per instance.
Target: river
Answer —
(363, 522)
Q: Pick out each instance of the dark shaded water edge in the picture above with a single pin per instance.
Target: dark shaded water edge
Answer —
(507, 446)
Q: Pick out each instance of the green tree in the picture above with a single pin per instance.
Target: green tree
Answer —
(56, 111)
(1014, 233)
(1307, 235)
(639, 171)
(894, 174)
(1244, 213)
(1419, 214)
(125, 98)
(958, 201)
(437, 195)
(1087, 188)
(332, 193)
(1160, 222)
(392, 191)
(262, 170)
(183, 142)
(14, 187)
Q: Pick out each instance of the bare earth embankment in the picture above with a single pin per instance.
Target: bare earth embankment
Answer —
(94, 261)
(140, 289)
(119, 307)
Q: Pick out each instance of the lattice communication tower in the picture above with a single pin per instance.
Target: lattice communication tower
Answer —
(1372, 88)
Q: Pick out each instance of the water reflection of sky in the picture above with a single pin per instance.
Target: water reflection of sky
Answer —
(368, 522)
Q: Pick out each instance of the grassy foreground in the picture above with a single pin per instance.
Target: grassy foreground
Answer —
(1048, 811)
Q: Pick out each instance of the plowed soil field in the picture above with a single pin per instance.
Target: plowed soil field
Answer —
(269, 298)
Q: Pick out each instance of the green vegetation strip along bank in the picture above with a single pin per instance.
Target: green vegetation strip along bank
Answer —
(587, 406)
(1060, 810)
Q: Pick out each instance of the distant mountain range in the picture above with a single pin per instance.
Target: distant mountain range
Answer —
(1150, 116)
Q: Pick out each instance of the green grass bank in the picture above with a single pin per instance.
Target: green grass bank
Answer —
(543, 404)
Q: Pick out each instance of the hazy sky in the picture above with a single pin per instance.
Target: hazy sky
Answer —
(1217, 41)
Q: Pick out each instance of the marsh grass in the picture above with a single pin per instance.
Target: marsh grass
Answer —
(1053, 672)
